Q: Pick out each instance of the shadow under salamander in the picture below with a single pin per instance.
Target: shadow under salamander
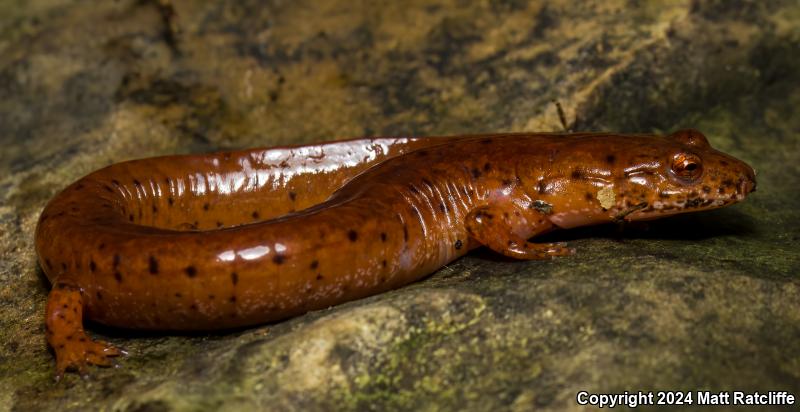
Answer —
(687, 227)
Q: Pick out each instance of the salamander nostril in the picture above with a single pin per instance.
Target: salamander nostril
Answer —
(747, 185)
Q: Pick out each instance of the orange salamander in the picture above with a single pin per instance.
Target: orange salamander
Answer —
(223, 240)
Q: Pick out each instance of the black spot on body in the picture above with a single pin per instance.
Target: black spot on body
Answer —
(578, 174)
(234, 278)
(118, 277)
(206, 206)
(319, 276)
(153, 265)
(63, 266)
(442, 208)
(191, 271)
(155, 209)
(314, 264)
(352, 235)
(589, 196)
(384, 263)
(405, 233)
(458, 244)
(292, 196)
(116, 260)
(255, 214)
(178, 295)
(278, 259)
(130, 218)
(232, 299)
(611, 159)
(476, 173)
(383, 236)
(137, 183)
(171, 201)
(487, 167)
(99, 295)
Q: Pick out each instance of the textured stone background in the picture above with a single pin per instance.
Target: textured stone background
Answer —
(707, 301)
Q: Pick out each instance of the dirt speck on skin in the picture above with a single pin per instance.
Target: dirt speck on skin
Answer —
(702, 301)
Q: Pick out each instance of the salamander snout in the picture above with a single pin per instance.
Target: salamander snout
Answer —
(747, 183)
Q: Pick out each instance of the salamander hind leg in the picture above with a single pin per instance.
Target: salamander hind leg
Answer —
(64, 325)
(504, 229)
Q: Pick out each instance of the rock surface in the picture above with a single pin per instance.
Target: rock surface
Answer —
(708, 301)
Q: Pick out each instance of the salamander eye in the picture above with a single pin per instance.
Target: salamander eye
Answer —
(687, 166)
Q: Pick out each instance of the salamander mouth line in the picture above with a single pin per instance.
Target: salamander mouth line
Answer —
(620, 217)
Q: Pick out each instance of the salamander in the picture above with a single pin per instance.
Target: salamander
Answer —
(224, 240)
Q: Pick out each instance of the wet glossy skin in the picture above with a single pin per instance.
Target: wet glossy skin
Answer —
(231, 239)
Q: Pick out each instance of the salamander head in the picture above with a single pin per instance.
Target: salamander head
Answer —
(684, 173)
(600, 178)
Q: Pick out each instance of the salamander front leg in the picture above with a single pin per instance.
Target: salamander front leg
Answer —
(504, 230)
(64, 324)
